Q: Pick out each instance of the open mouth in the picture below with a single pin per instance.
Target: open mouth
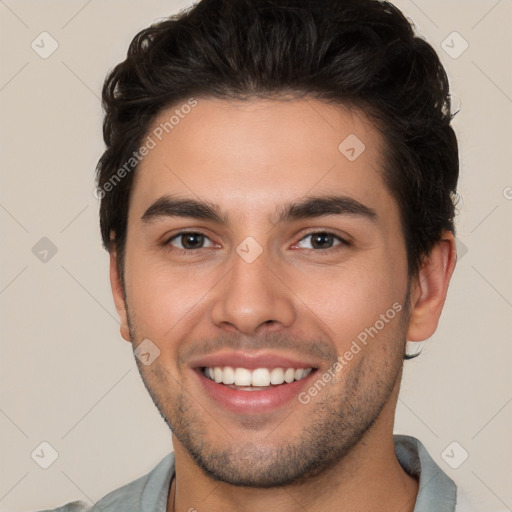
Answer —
(258, 379)
(253, 383)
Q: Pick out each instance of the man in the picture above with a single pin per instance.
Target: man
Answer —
(277, 200)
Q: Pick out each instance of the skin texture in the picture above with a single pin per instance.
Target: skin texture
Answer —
(295, 300)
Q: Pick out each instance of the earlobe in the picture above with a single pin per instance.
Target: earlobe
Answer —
(118, 295)
(428, 292)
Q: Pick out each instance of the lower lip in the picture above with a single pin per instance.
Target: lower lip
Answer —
(255, 402)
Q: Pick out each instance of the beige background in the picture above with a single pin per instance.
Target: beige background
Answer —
(67, 377)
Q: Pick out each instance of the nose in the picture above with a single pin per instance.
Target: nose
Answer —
(253, 297)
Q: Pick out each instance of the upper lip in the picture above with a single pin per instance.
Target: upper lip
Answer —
(251, 360)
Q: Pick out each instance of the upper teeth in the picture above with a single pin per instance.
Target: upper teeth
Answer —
(260, 377)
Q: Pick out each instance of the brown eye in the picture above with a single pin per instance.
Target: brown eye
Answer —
(189, 241)
(321, 240)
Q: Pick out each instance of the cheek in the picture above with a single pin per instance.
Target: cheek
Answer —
(160, 297)
(346, 300)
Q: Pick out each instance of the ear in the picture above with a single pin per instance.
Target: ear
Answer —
(117, 292)
(429, 289)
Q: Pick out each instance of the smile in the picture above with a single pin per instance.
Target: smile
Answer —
(245, 379)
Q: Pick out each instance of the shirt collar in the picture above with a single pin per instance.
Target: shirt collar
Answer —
(436, 491)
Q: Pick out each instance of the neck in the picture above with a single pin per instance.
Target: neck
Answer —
(368, 477)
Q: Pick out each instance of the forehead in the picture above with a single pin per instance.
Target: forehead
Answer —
(249, 156)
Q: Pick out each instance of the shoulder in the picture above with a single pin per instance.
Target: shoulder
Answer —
(74, 506)
(149, 492)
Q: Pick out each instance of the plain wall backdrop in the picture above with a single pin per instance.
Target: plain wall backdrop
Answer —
(67, 377)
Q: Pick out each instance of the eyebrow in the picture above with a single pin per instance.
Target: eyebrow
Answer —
(308, 207)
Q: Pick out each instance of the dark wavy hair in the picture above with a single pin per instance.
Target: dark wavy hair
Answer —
(363, 54)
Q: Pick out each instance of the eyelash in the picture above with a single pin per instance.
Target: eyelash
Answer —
(334, 248)
(189, 252)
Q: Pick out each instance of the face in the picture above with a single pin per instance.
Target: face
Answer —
(266, 265)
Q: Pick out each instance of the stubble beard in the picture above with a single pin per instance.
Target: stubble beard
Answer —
(334, 425)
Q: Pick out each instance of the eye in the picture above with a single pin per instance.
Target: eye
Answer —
(189, 240)
(321, 240)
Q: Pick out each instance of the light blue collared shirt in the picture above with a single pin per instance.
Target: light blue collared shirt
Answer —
(437, 491)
